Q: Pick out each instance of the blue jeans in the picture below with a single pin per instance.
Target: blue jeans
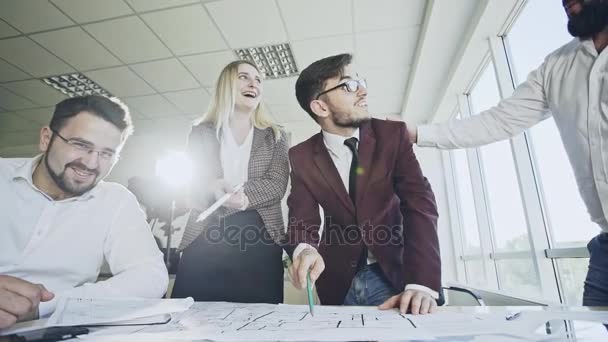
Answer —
(369, 287)
(596, 284)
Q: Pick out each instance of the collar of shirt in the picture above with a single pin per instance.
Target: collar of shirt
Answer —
(26, 171)
(335, 143)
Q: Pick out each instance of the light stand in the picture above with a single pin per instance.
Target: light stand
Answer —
(175, 169)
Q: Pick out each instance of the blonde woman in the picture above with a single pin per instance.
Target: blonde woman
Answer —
(235, 255)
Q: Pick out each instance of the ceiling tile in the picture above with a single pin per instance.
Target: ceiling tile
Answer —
(41, 116)
(382, 103)
(6, 30)
(308, 51)
(373, 15)
(288, 113)
(152, 106)
(36, 91)
(19, 138)
(148, 5)
(267, 30)
(129, 39)
(9, 122)
(194, 34)
(334, 19)
(190, 102)
(89, 55)
(393, 80)
(166, 75)
(10, 73)
(120, 81)
(390, 48)
(207, 67)
(83, 11)
(11, 101)
(30, 57)
(280, 91)
(33, 15)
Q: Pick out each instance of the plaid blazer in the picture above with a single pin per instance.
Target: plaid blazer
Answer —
(268, 175)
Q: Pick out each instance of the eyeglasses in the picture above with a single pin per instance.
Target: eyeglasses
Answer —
(351, 86)
(87, 148)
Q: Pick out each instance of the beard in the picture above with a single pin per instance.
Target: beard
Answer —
(592, 19)
(69, 187)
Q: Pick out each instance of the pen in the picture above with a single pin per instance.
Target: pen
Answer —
(513, 316)
(311, 303)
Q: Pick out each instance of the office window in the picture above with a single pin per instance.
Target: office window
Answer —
(502, 188)
(529, 42)
(516, 274)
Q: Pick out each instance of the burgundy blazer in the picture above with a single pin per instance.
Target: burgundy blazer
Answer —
(395, 213)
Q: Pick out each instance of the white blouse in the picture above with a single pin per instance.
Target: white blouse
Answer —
(235, 157)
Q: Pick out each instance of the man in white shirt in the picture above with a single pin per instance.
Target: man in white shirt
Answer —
(60, 220)
(571, 85)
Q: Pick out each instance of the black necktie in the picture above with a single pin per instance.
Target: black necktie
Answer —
(352, 190)
(351, 143)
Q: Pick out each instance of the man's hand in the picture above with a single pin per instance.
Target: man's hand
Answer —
(308, 259)
(19, 300)
(412, 131)
(418, 302)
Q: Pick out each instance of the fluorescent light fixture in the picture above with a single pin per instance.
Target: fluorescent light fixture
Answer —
(75, 85)
(175, 169)
(274, 61)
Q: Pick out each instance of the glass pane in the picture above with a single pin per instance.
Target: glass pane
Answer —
(572, 273)
(502, 188)
(529, 43)
(470, 230)
(476, 273)
(518, 277)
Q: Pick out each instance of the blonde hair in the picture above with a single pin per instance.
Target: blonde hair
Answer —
(224, 100)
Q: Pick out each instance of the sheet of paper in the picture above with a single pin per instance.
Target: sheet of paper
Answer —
(91, 311)
(24, 327)
(218, 204)
(246, 322)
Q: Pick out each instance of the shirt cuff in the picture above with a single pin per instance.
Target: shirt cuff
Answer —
(422, 136)
(299, 249)
(433, 294)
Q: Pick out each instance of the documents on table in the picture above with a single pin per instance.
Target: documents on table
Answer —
(266, 322)
(100, 311)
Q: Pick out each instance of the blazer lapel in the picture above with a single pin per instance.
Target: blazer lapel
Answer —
(256, 147)
(330, 173)
(366, 154)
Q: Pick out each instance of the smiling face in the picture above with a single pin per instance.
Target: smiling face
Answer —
(81, 154)
(346, 104)
(249, 88)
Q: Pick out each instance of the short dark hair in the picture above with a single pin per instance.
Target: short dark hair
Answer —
(111, 110)
(312, 79)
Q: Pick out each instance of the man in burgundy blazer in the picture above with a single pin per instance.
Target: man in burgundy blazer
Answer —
(379, 242)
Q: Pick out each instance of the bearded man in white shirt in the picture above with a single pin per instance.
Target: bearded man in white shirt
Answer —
(571, 85)
(60, 220)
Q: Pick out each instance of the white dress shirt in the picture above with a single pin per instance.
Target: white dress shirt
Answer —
(235, 157)
(571, 85)
(62, 244)
(342, 157)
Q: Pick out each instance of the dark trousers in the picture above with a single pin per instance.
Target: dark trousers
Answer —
(236, 261)
(596, 284)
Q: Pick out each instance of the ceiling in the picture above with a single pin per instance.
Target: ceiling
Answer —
(162, 57)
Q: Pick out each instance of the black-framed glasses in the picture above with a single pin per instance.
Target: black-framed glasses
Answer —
(87, 148)
(351, 86)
